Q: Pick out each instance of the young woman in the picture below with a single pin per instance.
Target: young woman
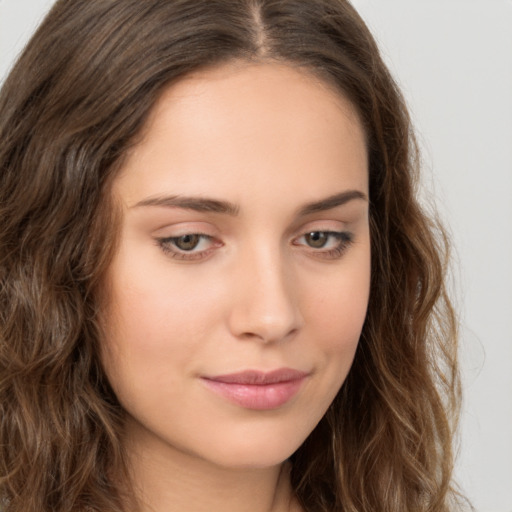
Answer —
(218, 291)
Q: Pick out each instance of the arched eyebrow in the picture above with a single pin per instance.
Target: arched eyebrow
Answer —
(198, 204)
(332, 202)
(205, 204)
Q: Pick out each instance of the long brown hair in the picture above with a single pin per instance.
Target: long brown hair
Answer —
(73, 104)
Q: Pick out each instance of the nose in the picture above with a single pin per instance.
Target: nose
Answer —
(265, 305)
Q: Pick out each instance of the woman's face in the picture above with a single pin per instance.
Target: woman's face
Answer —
(240, 286)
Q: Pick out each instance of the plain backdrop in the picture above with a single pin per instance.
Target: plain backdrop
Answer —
(453, 60)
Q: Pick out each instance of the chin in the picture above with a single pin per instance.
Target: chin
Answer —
(251, 459)
(251, 452)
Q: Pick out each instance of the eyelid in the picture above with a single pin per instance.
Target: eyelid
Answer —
(168, 246)
(338, 239)
(177, 229)
(345, 240)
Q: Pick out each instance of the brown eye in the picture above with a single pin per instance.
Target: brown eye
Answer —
(317, 239)
(189, 247)
(330, 245)
(187, 242)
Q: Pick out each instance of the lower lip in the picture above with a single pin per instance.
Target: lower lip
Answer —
(259, 397)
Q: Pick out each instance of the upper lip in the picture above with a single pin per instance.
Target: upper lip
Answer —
(261, 378)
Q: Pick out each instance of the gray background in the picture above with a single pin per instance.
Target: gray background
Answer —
(453, 59)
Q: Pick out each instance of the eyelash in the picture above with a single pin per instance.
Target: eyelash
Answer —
(168, 245)
(344, 241)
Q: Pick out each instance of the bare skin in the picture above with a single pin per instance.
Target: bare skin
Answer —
(245, 247)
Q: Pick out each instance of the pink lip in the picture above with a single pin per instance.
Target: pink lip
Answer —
(253, 389)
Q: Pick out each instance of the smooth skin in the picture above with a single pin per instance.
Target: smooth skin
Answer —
(244, 246)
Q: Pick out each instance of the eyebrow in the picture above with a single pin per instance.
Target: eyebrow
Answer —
(204, 204)
(198, 204)
(332, 202)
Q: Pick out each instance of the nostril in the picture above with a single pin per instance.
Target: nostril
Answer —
(253, 324)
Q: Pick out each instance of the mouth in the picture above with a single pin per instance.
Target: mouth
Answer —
(257, 390)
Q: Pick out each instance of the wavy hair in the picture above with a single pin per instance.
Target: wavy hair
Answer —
(73, 104)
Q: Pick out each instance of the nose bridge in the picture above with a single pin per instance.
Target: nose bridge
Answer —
(266, 305)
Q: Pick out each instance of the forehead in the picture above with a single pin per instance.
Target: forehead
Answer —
(244, 123)
(241, 83)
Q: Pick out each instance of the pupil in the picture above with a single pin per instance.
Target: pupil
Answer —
(316, 239)
(187, 242)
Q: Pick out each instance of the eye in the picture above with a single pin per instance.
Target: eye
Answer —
(189, 246)
(317, 239)
(187, 242)
(330, 244)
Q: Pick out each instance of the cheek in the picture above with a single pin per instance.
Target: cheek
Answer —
(336, 316)
(150, 300)
(340, 301)
(150, 327)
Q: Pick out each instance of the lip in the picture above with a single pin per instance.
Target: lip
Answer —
(258, 390)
